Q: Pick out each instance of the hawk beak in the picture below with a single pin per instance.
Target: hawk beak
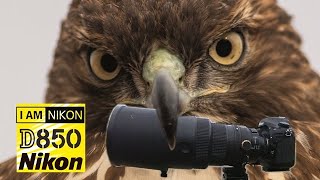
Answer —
(163, 72)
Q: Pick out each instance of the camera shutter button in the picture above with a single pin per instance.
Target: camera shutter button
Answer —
(284, 124)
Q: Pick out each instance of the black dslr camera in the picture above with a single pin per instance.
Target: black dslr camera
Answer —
(135, 138)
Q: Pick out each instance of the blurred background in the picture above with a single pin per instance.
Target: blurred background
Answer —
(28, 35)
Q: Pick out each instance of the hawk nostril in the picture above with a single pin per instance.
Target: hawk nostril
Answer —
(148, 84)
(181, 80)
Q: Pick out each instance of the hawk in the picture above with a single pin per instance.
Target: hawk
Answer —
(234, 62)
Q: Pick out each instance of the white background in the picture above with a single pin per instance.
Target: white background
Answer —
(28, 34)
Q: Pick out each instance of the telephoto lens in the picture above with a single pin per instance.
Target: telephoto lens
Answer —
(136, 138)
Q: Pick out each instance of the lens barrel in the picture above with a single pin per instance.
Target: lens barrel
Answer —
(136, 138)
(220, 144)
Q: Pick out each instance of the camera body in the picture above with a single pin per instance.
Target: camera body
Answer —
(280, 154)
(135, 138)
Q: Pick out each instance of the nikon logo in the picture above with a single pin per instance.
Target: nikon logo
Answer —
(47, 142)
(39, 162)
(64, 114)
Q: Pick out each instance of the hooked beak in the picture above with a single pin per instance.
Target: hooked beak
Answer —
(163, 72)
(165, 99)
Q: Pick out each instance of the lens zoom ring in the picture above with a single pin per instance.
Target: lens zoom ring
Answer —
(202, 143)
(219, 143)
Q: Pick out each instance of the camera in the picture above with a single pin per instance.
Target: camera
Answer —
(135, 138)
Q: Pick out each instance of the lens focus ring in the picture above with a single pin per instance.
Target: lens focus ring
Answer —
(218, 144)
(203, 133)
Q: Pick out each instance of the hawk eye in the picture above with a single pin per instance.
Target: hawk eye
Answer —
(227, 50)
(103, 65)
